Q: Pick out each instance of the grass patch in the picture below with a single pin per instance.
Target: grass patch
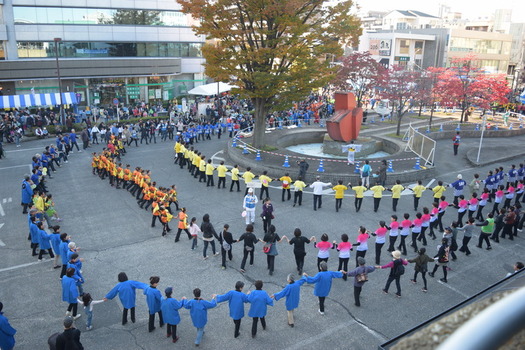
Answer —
(394, 135)
(269, 148)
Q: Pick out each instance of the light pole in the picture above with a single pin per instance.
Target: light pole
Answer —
(62, 119)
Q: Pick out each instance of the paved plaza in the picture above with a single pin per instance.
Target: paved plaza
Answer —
(115, 235)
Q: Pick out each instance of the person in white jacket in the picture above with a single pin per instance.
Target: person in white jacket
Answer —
(250, 200)
(318, 187)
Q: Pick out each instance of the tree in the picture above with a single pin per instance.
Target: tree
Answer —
(426, 94)
(276, 51)
(360, 73)
(467, 85)
(400, 87)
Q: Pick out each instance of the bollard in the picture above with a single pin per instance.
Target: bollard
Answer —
(477, 127)
(441, 127)
(357, 167)
(321, 167)
(286, 163)
(245, 150)
(390, 168)
(321, 124)
(417, 166)
(428, 130)
(258, 156)
(458, 127)
(234, 142)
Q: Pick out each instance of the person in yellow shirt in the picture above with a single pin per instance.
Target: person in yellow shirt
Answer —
(196, 163)
(248, 177)
(359, 194)
(209, 173)
(286, 183)
(265, 182)
(396, 194)
(418, 192)
(378, 194)
(202, 169)
(438, 191)
(299, 186)
(221, 174)
(339, 194)
(235, 178)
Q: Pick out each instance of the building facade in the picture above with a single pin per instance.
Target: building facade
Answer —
(131, 50)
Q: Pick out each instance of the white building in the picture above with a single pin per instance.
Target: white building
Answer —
(410, 19)
(126, 49)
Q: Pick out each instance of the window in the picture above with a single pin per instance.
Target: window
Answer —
(418, 46)
(71, 49)
(404, 47)
(74, 15)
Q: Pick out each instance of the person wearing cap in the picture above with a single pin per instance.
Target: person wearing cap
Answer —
(249, 203)
(7, 333)
(127, 295)
(170, 312)
(292, 292)
(323, 283)
(396, 271)
(455, 142)
(236, 300)
(70, 338)
(199, 312)
(360, 274)
(458, 186)
(318, 187)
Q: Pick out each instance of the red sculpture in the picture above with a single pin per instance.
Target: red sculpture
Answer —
(345, 124)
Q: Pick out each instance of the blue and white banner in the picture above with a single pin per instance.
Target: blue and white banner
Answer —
(36, 100)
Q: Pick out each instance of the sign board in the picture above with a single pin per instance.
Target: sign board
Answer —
(158, 93)
(384, 47)
(165, 95)
(115, 101)
(133, 91)
(373, 47)
(401, 58)
(151, 94)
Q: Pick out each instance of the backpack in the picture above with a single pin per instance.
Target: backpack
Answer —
(362, 277)
(399, 269)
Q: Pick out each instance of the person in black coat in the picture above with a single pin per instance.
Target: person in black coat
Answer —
(226, 240)
(70, 338)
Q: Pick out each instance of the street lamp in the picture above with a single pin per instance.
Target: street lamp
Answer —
(62, 119)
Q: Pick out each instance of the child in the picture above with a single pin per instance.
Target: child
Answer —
(50, 208)
(153, 298)
(344, 249)
(259, 300)
(169, 308)
(194, 232)
(292, 292)
(88, 303)
(199, 312)
(324, 250)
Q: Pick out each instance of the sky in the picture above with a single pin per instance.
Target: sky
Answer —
(471, 9)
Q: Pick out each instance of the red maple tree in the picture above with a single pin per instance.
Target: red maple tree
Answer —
(359, 73)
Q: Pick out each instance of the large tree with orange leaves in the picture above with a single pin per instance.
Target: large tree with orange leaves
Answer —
(276, 51)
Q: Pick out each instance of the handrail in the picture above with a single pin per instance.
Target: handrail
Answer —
(492, 327)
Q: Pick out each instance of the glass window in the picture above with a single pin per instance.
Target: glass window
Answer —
(141, 49)
(184, 49)
(418, 46)
(2, 52)
(404, 47)
(152, 50)
(195, 50)
(163, 49)
(73, 15)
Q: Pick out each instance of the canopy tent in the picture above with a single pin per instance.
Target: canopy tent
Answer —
(211, 89)
(34, 100)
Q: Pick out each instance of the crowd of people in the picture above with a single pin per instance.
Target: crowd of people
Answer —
(505, 217)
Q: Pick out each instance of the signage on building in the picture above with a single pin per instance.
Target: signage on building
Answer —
(133, 91)
(373, 48)
(401, 58)
(92, 51)
(384, 47)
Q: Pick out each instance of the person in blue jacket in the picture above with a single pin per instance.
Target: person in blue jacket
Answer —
(44, 241)
(55, 243)
(199, 312)
(63, 248)
(236, 299)
(153, 298)
(70, 293)
(170, 312)
(323, 283)
(259, 301)
(33, 232)
(126, 292)
(7, 333)
(27, 194)
(292, 292)
(76, 263)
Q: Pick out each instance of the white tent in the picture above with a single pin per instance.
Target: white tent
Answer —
(211, 89)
